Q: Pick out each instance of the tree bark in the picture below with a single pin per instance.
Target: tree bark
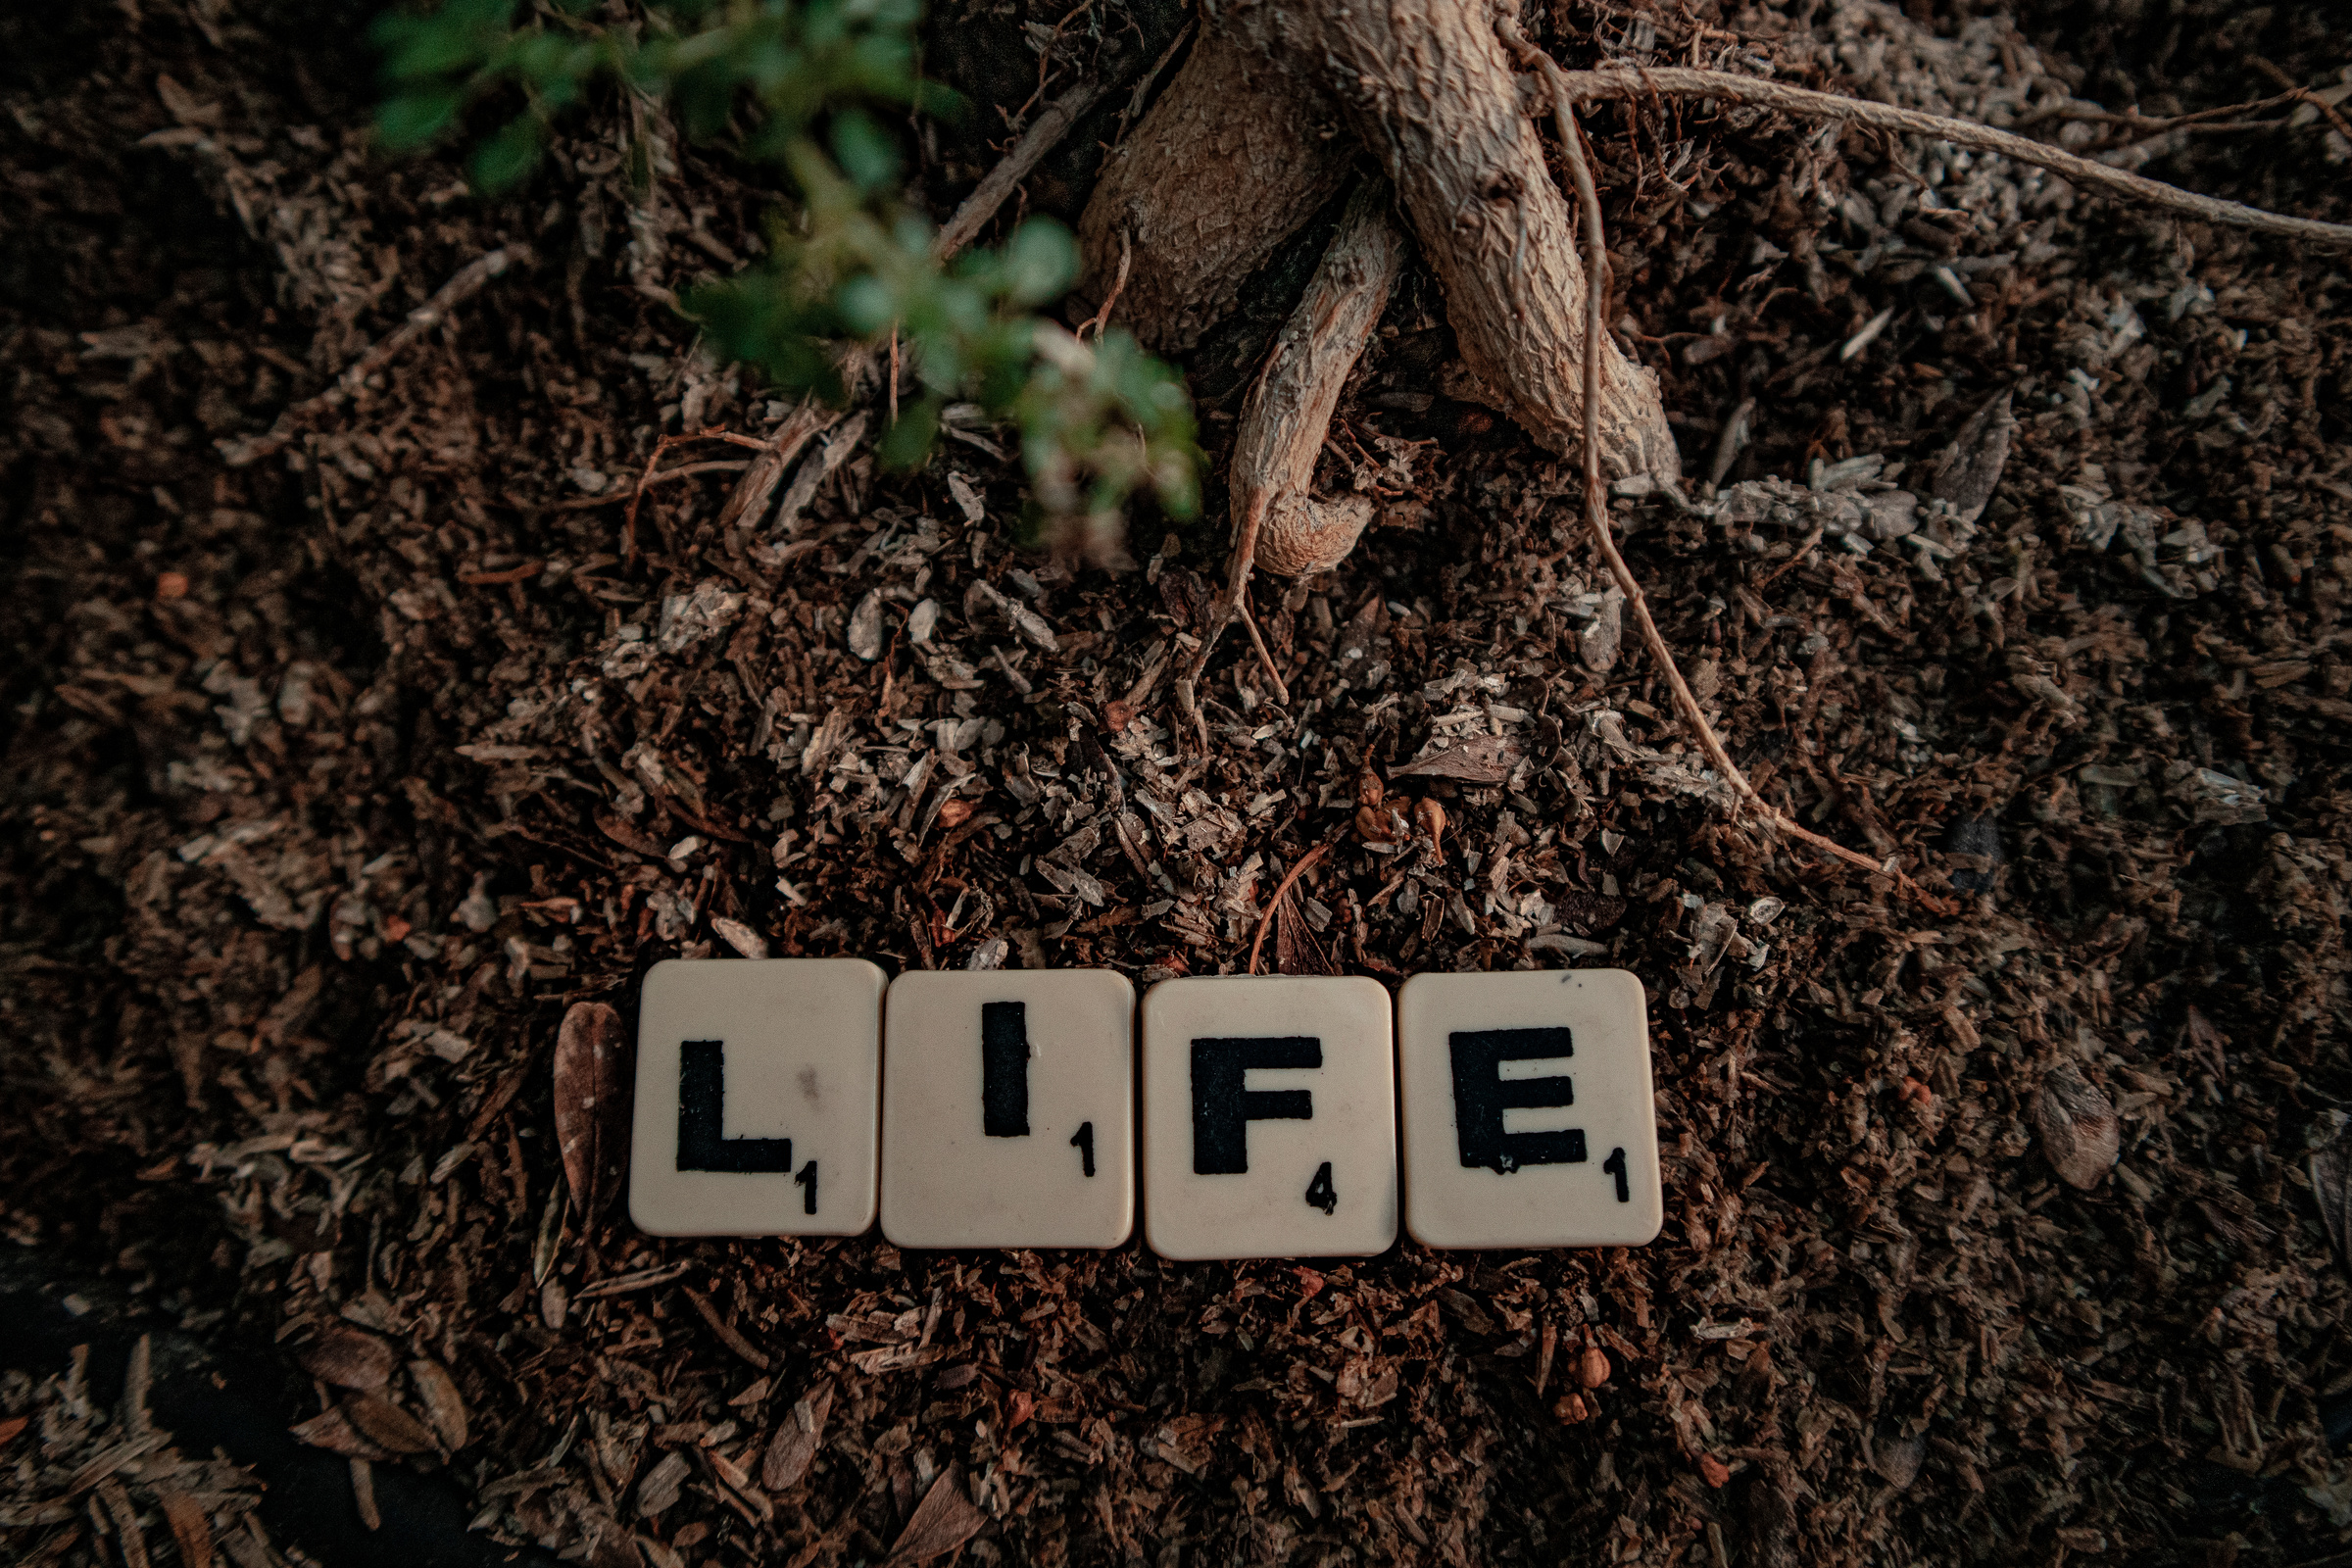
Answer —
(1288, 411)
(1427, 88)
(1230, 161)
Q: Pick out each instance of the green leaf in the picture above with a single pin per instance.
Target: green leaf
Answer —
(863, 151)
(866, 305)
(1040, 261)
(500, 163)
(412, 120)
(907, 442)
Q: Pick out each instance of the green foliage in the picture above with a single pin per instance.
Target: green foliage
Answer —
(798, 83)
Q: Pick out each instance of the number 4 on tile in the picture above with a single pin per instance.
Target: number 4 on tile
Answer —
(1320, 1194)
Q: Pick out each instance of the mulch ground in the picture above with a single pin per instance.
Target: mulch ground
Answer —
(1998, 1232)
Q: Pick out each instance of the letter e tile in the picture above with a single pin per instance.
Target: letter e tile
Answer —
(1527, 1119)
(1269, 1118)
(1009, 1108)
(757, 1081)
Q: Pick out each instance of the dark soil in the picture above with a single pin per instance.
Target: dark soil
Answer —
(334, 778)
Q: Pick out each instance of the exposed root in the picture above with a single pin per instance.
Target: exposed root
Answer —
(1288, 413)
(1282, 690)
(1578, 87)
(1596, 507)
(1428, 89)
(1228, 162)
(1277, 519)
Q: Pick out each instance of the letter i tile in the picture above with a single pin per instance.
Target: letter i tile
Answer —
(757, 1086)
(1009, 1109)
(1528, 1117)
(1269, 1118)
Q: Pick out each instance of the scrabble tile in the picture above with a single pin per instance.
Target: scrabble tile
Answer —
(1269, 1118)
(1009, 1108)
(1528, 1119)
(757, 1081)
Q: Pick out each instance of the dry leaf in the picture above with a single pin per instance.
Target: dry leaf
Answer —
(1478, 759)
(444, 1406)
(1970, 470)
(943, 1521)
(2204, 1039)
(592, 1105)
(386, 1424)
(129, 1540)
(1296, 949)
(796, 1440)
(2332, 1187)
(347, 1358)
(1897, 1459)
(2079, 1129)
(332, 1431)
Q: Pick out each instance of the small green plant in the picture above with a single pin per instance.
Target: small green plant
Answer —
(797, 84)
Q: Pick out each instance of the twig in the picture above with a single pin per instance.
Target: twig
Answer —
(616, 497)
(2296, 91)
(1571, 87)
(1597, 509)
(628, 524)
(1119, 286)
(1143, 88)
(466, 283)
(1275, 902)
(1795, 560)
(1051, 123)
(1282, 693)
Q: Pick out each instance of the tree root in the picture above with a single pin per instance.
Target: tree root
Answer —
(1597, 509)
(1230, 161)
(1680, 82)
(1288, 411)
(1277, 521)
(1426, 87)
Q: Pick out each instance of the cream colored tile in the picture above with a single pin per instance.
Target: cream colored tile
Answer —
(778, 1064)
(1528, 1117)
(1009, 1109)
(1269, 1118)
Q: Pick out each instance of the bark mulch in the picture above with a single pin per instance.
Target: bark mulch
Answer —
(337, 776)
